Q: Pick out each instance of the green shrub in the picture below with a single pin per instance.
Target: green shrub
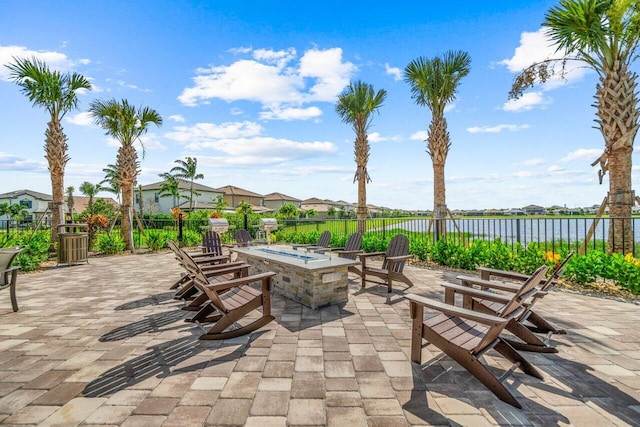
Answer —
(36, 249)
(156, 239)
(109, 243)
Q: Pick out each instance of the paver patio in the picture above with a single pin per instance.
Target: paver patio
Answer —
(105, 344)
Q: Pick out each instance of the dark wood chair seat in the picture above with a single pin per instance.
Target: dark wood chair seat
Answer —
(395, 258)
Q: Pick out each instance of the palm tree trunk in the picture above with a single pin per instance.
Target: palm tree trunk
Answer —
(56, 154)
(125, 210)
(438, 148)
(361, 212)
(616, 100)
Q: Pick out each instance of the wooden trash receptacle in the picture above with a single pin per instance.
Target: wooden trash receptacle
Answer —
(73, 243)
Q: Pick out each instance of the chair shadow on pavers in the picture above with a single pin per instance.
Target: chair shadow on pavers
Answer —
(151, 323)
(160, 361)
(156, 299)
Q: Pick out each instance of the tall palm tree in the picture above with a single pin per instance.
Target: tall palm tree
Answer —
(56, 93)
(603, 35)
(112, 179)
(70, 190)
(90, 190)
(188, 169)
(170, 187)
(434, 82)
(355, 106)
(127, 124)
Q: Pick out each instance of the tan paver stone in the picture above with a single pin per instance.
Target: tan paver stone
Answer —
(241, 385)
(275, 384)
(156, 406)
(307, 412)
(374, 385)
(266, 422)
(209, 383)
(309, 351)
(308, 385)
(614, 370)
(144, 421)
(309, 364)
(229, 412)
(382, 407)
(30, 415)
(73, 412)
(48, 380)
(367, 363)
(127, 397)
(353, 417)
(108, 414)
(199, 398)
(387, 421)
(343, 398)
(270, 403)
(60, 394)
(278, 369)
(174, 386)
(184, 416)
(286, 352)
(397, 368)
(251, 364)
(341, 384)
(81, 360)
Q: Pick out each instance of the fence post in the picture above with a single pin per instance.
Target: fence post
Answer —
(180, 230)
(518, 230)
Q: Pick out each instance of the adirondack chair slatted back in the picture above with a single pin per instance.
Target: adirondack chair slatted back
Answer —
(324, 239)
(523, 293)
(7, 255)
(398, 246)
(353, 244)
(211, 242)
(202, 282)
(243, 238)
(558, 271)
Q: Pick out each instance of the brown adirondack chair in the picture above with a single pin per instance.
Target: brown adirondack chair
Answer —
(9, 273)
(211, 244)
(351, 250)
(465, 335)
(323, 242)
(534, 321)
(525, 325)
(200, 257)
(392, 268)
(230, 301)
(243, 238)
(209, 266)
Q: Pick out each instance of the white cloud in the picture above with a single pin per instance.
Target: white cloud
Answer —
(289, 114)
(536, 47)
(150, 142)
(273, 79)
(376, 137)
(528, 101)
(589, 154)
(55, 60)
(533, 162)
(393, 71)
(202, 132)
(307, 170)
(421, 135)
(81, 119)
(10, 162)
(177, 118)
(496, 129)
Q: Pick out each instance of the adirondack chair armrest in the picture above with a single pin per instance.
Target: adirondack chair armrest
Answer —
(510, 275)
(225, 270)
(477, 293)
(399, 258)
(475, 316)
(490, 284)
(343, 252)
(370, 254)
(221, 286)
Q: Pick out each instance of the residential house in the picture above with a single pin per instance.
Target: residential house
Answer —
(236, 195)
(154, 202)
(534, 210)
(276, 200)
(36, 204)
(80, 203)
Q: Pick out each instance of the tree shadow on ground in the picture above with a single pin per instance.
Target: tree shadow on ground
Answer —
(156, 299)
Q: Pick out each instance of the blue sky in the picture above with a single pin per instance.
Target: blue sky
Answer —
(249, 89)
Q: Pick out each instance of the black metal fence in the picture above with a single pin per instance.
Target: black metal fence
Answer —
(566, 231)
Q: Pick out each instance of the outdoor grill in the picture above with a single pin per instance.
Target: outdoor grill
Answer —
(219, 225)
(268, 225)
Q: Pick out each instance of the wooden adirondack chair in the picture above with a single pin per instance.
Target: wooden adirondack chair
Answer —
(9, 273)
(392, 268)
(323, 242)
(209, 266)
(243, 238)
(534, 321)
(211, 244)
(465, 335)
(351, 250)
(528, 322)
(230, 301)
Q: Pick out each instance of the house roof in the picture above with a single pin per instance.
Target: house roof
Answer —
(314, 201)
(183, 184)
(280, 196)
(80, 203)
(237, 191)
(18, 193)
(532, 207)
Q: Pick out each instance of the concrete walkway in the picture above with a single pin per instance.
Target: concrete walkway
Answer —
(105, 344)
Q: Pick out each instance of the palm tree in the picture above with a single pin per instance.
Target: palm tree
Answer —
(70, 191)
(112, 180)
(188, 170)
(170, 187)
(127, 124)
(603, 35)
(90, 190)
(355, 106)
(56, 93)
(288, 211)
(434, 82)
